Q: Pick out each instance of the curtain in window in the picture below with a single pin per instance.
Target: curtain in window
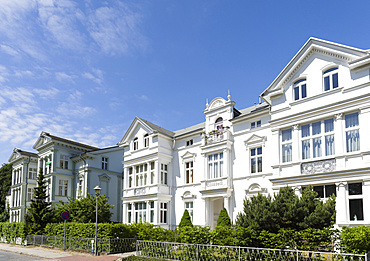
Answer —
(306, 149)
(286, 135)
(287, 152)
(329, 145)
(316, 128)
(351, 120)
(329, 125)
(353, 140)
(316, 147)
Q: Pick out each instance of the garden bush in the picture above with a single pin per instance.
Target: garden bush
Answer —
(355, 240)
(11, 231)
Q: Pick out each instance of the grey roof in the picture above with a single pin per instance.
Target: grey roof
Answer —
(199, 126)
(26, 153)
(252, 109)
(157, 128)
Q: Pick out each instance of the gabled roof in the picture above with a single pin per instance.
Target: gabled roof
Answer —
(197, 127)
(151, 128)
(17, 153)
(311, 46)
(49, 137)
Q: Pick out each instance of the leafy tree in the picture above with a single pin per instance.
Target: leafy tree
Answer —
(223, 219)
(40, 212)
(287, 211)
(83, 210)
(5, 183)
(258, 213)
(186, 220)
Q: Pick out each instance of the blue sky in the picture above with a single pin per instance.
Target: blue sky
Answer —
(83, 70)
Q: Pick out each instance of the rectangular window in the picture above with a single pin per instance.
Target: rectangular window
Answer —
(140, 212)
(152, 172)
(32, 173)
(136, 144)
(352, 132)
(141, 174)
(189, 208)
(104, 163)
(163, 213)
(189, 142)
(151, 211)
(164, 174)
(312, 138)
(355, 200)
(325, 191)
(63, 161)
(256, 124)
(215, 165)
(29, 194)
(63, 187)
(130, 178)
(256, 160)
(286, 145)
(189, 172)
(129, 213)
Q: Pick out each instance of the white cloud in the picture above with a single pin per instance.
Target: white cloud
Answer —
(63, 77)
(9, 50)
(96, 76)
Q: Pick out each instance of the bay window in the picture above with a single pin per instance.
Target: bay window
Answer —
(140, 212)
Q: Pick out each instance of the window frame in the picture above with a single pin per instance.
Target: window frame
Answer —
(256, 157)
(32, 173)
(289, 142)
(330, 73)
(63, 188)
(146, 140)
(189, 172)
(164, 174)
(63, 162)
(300, 89)
(135, 143)
(358, 197)
(352, 129)
(189, 142)
(163, 210)
(219, 162)
(140, 212)
(104, 163)
(141, 175)
(190, 209)
(256, 124)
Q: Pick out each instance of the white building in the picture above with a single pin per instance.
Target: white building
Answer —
(71, 169)
(311, 130)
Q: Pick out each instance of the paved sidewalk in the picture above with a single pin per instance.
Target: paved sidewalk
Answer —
(55, 254)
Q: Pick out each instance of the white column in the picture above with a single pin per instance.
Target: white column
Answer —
(156, 212)
(147, 211)
(295, 144)
(364, 119)
(341, 203)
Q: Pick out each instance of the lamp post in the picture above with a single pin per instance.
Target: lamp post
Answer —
(97, 193)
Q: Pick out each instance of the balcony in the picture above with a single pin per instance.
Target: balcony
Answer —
(216, 136)
(148, 190)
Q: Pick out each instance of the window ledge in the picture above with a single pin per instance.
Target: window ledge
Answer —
(324, 93)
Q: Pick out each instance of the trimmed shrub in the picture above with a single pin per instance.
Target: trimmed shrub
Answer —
(185, 220)
(11, 231)
(355, 240)
(223, 219)
(194, 235)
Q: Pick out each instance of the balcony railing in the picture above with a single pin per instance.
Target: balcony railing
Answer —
(216, 136)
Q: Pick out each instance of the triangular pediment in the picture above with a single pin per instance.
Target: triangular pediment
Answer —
(312, 47)
(43, 139)
(104, 177)
(14, 156)
(130, 133)
(188, 155)
(255, 139)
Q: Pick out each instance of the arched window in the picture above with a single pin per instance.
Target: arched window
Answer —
(299, 89)
(136, 143)
(146, 140)
(330, 78)
(219, 123)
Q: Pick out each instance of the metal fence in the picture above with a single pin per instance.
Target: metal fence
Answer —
(109, 246)
(180, 251)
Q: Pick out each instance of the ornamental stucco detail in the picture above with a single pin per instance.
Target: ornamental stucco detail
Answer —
(318, 166)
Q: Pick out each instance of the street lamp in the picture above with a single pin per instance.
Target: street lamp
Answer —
(97, 193)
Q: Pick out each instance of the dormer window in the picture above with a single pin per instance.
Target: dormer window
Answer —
(146, 140)
(299, 89)
(136, 143)
(219, 123)
(330, 77)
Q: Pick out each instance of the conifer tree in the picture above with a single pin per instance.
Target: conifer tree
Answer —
(186, 220)
(39, 213)
(5, 183)
(223, 219)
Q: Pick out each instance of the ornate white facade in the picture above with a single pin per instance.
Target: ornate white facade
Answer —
(71, 169)
(311, 130)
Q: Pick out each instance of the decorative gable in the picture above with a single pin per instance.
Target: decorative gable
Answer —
(188, 156)
(255, 140)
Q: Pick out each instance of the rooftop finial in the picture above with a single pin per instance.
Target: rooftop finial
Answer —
(207, 103)
(228, 95)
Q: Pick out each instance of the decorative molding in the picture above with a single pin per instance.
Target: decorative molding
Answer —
(338, 116)
(188, 195)
(318, 166)
(188, 156)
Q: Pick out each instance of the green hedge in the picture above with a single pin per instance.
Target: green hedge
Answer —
(355, 240)
(11, 231)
